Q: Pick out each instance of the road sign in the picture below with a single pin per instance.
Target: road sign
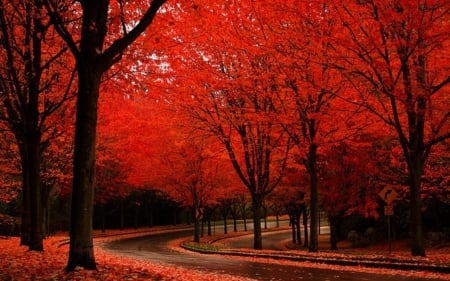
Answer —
(199, 213)
(388, 194)
(388, 210)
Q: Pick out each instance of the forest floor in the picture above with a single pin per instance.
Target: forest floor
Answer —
(17, 263)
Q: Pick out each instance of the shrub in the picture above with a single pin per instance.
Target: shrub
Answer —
(7, 225)
(369, 237)
(436, 239)
(354, 238)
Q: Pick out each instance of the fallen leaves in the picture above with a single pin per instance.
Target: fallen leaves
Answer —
(17, 263)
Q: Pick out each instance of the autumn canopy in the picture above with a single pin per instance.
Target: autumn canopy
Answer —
(216, 105)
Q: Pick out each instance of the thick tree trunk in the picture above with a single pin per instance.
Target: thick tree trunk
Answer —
(32, 208)
(81, 252)
(37, 218)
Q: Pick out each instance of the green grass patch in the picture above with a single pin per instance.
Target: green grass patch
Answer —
(201, 247)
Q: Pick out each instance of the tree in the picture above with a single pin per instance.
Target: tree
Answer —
(87, 39)
(395, 54)
(310, 113)
(232, 96)
(10, 169)
(348, 174)
(257, 147)
(193, 174)
(31, 92)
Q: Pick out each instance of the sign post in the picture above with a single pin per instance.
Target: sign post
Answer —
(388, 195)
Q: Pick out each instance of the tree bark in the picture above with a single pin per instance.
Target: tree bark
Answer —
(417, 238)
(314, 210)
(257, 202)
(305, 226)
(333, 231)
(36, 207)
(196, 229)
(297, 227)
(25, 230)
(81, 251)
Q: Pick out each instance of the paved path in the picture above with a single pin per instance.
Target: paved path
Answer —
(154, 248)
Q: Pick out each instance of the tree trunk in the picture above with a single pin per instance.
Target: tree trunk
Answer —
(202, 228)
(225, 225)
(245, 223)
(265, 221)
(314, 210)
(25, 230)
(81, 251)
(257, 202)
(305, 226)
(32, 213)
(333, 231)
(297, 227)
(277, 219)
(196, 229)
(46, 205)
(417, 239)
(292, 221)
(209, 227)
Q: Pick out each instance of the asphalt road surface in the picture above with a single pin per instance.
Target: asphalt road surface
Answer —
(154, 248)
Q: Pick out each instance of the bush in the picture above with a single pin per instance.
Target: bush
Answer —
(7, 225)
(354, 238)
(436, 239)
(369, 237)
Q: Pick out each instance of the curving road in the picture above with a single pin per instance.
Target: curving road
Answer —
(154, 248)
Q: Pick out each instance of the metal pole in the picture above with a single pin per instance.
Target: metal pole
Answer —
(389, 233)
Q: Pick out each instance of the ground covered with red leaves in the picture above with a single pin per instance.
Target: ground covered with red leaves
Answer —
(17, 263)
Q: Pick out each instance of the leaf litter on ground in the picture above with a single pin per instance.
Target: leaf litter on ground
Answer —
(17, 263)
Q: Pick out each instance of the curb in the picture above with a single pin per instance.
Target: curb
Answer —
(388, 263)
